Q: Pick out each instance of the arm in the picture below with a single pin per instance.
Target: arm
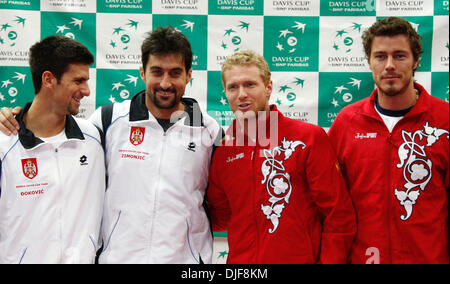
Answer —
(8, 124)
(217, 201)
(335, 133)
(330, 194)
(1, 169)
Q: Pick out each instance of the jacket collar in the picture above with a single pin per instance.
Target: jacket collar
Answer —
(422, 105)
(236, 137)
(29, 140)
(139, 111)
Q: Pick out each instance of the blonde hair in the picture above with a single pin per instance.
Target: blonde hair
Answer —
(247, 58)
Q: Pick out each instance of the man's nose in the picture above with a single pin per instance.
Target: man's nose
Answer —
(242, 94)
(166, 82)
(390, 63)
(85, 90)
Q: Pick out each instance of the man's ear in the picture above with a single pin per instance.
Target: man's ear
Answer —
(141, 71)
(269, 89)
(416, 65)
(189, 76)
(48, 79)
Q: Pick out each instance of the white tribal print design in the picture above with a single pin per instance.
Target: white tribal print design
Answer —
(417, 168)
(277, 180)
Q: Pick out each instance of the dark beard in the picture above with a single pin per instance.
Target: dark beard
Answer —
(163, 104)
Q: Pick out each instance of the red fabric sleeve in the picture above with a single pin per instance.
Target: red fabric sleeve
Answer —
(330, 194)
(217, 200)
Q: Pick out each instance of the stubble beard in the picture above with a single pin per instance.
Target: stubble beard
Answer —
(391, 90)
(161, 104)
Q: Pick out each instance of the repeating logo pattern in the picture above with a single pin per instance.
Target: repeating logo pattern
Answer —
(195, 29)
(15, 86)
(9, 31)
(293, 43)
(232, 7)
(342, 89)
(348, 7)
(79, 26)
(440, 85)
(217, 102)
(131, 7)
(341, 45)
(294, 94)
(117, 85)
(231, 35)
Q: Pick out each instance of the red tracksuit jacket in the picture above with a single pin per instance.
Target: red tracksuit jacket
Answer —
(282, 204)
(398, 181)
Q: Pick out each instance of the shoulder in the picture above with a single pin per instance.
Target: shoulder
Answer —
(90, 131)
(311, 135)
(438, 111)
(211, 124)
(7, 143)
(440, 105)
(121, 109)
(355, 108)
(300, 128)
(350, 113)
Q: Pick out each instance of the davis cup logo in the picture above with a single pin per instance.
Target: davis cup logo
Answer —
(288, 39)
(137, 135)
(9, 31)
(288, 92)
(29, 168)
(344, 39)
(121, 36)
(12, 91)
(233, 36)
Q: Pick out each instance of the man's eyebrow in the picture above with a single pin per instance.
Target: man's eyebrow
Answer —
(78, 78)
(395, 51)
(158, 68)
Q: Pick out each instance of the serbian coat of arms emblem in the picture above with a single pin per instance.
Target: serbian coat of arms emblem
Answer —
(30, 168)
(137, 135)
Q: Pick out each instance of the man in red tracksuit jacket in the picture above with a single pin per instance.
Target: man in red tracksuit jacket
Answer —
(393, 148)
(281, 199)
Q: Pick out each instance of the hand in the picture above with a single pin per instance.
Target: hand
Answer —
(8, 123)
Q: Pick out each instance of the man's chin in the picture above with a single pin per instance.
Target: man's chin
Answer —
(247, 115)
(166, 104)
(390, 91)
(73, 111)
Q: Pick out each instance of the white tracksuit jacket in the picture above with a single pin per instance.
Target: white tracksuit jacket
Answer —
(156, 185)
(51, 199)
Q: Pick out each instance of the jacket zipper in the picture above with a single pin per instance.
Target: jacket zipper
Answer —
(255, 194)
(60, 194)
(390, 192)
(156, 190)
(389, 209)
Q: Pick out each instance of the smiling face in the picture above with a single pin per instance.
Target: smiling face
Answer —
(392, 64)
(246, 91)
(71, 88)
(165, 81)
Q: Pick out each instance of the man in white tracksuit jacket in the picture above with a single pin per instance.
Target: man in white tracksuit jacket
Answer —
(52, 173)
(158, 150)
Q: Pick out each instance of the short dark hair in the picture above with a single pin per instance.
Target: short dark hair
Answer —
(393, 26)
(166, 40)
(55, 53)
